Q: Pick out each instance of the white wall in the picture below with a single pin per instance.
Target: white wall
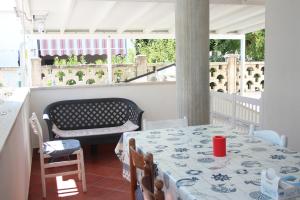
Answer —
(281, 105)
(158, 100)
(15, 158)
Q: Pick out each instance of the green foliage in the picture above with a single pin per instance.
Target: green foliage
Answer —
(130, 58)
(90, 81)
(82, 60)
(60, 76)
(225, 46)
(56, 61)
(72, 60)
(118, 73)
(80, 75)
(118, 59)
(100, 62)
(71, 82)
(99, 73)
(255, 45)
(156, 50)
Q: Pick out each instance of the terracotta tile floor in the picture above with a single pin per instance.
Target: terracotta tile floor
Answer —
(103, 174)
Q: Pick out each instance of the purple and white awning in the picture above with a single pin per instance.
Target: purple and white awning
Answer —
(81, 46)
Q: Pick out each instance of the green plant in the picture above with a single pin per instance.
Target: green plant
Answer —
(82, 60)
(118, 73)
(156, 50)
(117, 59)
(90, 81)
(130, 57)
(80, 75)
(60, 76)
(71, 82)
(99, 73)
(56, 61)
(72, 60)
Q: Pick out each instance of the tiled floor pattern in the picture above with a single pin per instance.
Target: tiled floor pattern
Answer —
(103, 174)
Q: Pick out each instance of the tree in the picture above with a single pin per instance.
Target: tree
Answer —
(156, 50)
(255, 45)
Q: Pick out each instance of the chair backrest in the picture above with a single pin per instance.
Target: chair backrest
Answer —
(36, 128)
(139, 161)
(271, 136)
(171, 123)
(147, 194)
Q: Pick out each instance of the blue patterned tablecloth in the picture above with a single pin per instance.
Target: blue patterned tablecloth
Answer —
(189, 170)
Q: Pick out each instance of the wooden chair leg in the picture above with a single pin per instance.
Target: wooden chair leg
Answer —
(43, 177)
(78, 166)
(82, 171)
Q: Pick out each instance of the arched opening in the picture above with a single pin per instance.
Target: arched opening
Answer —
(250, 70)
(249, 84)
(212, 85)
(220, 78)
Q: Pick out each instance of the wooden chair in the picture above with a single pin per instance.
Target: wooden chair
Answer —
(170, 123)
(56, 149)
(144, 163)
(147, 194)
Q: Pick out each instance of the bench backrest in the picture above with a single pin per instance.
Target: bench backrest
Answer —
(91, 113)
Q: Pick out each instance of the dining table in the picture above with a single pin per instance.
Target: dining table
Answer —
(185, 162)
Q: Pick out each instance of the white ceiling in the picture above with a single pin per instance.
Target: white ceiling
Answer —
(140, 17)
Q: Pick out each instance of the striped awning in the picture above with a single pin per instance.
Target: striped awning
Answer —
(69, 47)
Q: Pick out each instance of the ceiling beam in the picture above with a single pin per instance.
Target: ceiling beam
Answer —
(219, 12)
(236, 17)
(230, 2)
(139, 14)
(252, 28)
(71, 4)
(101, 16)
(243, 24)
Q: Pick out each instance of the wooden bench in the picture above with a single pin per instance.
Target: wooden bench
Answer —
(92, 121)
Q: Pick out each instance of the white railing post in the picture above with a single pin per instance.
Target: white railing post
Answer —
(109, 63)
(233, 115)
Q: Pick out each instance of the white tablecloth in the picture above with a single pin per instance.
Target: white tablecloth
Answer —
(189, 170)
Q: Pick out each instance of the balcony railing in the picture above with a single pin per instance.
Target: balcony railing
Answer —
(237, 111)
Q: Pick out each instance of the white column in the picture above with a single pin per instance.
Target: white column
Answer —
(281, 108)
(242, 64)
(192, 52)
(109, 64)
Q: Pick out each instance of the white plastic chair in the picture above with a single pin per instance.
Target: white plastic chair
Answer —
(270, 136)
(55, 149)
(170, 123)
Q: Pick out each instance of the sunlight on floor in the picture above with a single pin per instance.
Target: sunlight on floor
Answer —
(66, 187)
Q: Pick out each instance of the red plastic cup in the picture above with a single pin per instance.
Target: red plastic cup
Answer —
(219, 146)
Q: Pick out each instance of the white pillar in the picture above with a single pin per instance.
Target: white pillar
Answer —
(192, 52)
(109, 64)
(281, 109)
(242, 64)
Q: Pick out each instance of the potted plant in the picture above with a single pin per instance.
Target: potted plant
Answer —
(71, 82)
(118, 73)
